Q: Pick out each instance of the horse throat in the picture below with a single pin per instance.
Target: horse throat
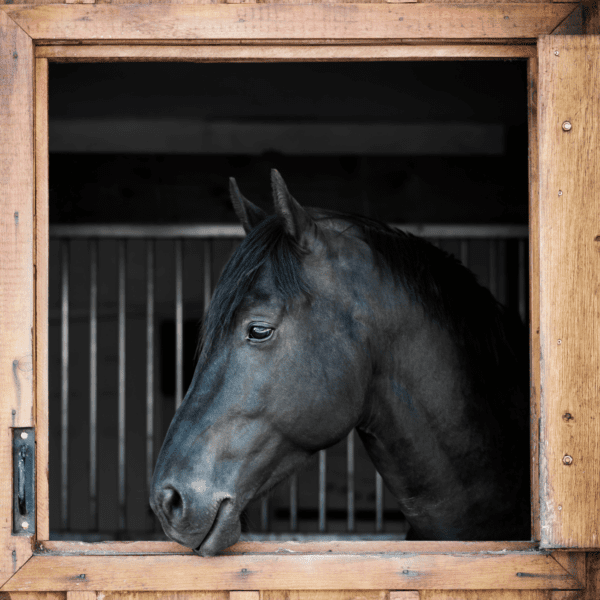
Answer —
(431, 438)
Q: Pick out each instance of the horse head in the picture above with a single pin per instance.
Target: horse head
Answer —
(283, 372)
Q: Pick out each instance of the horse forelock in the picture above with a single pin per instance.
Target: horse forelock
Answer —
(267, 243)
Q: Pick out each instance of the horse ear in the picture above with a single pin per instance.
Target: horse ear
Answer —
(296, 220)
(249, 214)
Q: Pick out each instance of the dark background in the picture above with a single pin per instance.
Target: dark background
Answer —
(405, 142)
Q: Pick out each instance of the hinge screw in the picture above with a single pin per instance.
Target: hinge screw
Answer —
(567, 126)
(24, 435)
(25, 525)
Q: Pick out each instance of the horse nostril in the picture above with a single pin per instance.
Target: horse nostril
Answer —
(172, 503)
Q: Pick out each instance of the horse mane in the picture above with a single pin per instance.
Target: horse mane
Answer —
(492, 337)
(489, 335)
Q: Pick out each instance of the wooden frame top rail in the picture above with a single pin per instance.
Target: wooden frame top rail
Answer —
(319, 23)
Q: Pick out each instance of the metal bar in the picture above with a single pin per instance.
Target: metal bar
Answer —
(149, 362)
(178, 323)
(378, 502)
(207, 273)
(523, 287)
(464, 252)
(122, 498)
(64, 386)
(322, 491)
(350, 480)
(294, 502)
(223, 230)
(93, 491)
(264, 514)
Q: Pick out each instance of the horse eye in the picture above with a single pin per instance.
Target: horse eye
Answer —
(259, 333)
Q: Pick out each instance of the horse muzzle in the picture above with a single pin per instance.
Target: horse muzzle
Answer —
(187, 518)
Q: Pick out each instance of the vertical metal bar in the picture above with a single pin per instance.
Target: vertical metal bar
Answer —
(122, 500)
(523, 287)
(64, 386)
(150, 247)
(207, 273)
(178, 324)
(494, 268)
(322, 490)
(350, 479)
(264, 514)
(294, 502)
(378, 503)
(94, 383)
(464, 252)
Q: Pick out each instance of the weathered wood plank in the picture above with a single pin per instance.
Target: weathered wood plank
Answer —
(314, 571)
(325, 595)
(41, 296)
(249, 595)
(189, 595)
(283, 547)
(570, 284)
(33, 595)
(81, 595)
(288, 21)
(534, 293)
(486, 595)
(237, 53)
(16, 268)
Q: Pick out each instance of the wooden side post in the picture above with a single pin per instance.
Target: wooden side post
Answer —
(16, 269)
(569, 280)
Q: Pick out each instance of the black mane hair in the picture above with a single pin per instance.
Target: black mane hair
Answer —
(488, 334)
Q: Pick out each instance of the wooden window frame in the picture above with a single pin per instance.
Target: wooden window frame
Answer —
(33, 35)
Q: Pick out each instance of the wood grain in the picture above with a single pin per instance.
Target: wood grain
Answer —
(591, 16)
(313, 571)
(188, 595)
(33, 595)
(569, 282)
(486, 595)
(256, 53)
(534, 293)
(325, 595)
(288, 21)
(81, 595)
(244, 595)
(284, 547)
(41, 297)
(16, 268)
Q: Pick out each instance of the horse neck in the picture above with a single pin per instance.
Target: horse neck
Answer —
(428, 432)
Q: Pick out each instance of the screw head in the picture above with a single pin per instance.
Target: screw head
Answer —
(24, 435)
(556, 53)
(559, 342)
(567, 126)
(25, 525)
(567, 460)
(560, 192)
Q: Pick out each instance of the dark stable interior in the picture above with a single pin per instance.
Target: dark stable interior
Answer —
(155, 143)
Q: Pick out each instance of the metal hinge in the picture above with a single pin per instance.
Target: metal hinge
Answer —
(23, 481)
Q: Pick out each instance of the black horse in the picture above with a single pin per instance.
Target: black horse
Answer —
(322, 322)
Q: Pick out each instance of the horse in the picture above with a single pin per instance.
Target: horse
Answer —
(323, 322)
